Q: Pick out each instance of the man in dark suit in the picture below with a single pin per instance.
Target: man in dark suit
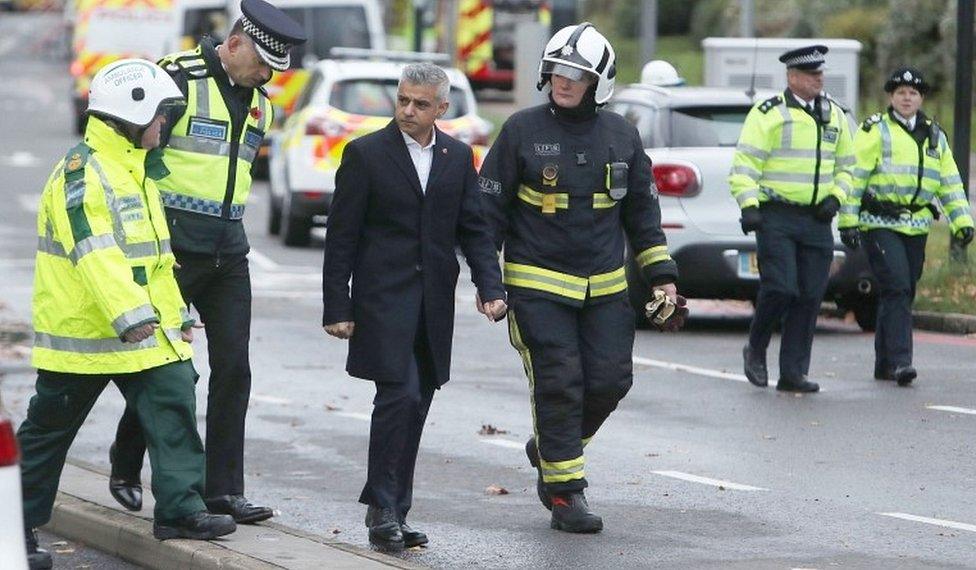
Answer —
(405, 197)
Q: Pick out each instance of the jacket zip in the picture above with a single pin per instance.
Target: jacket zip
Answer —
(816, 172)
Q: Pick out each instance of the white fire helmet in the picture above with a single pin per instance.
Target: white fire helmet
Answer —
(576, 50)
(132, 91)
(661, 73)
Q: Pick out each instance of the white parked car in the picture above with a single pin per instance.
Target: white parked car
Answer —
(690, 133)
(347, 96)
(13, 554)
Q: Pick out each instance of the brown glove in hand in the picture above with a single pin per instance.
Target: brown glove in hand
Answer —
(665, 314)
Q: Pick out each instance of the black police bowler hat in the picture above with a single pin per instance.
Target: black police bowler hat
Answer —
(274, 33)
(907, 76)
(808, 58)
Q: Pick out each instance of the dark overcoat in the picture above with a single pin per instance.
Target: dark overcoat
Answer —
(397, 244)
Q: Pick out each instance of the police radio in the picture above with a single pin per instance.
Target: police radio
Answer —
(617, 177)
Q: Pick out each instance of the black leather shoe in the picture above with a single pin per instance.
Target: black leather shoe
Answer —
(883, 373)
(570, 513)
(904, 375)
(127, 490)
(755, 366)
(198, 526)
(412, 537)
(384, 529)
(238, 507)
(37, 557)
(800, 384)
(540, 488)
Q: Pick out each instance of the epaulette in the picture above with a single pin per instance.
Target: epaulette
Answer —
(75, 161)
(191, 63)
(871, 121)
(768, 104)
(842, 107)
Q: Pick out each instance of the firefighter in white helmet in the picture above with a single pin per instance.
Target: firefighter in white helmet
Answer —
(107, 308)
(563, 184)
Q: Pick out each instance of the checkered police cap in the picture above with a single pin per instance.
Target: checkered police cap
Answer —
(809, 58)
(274, 33)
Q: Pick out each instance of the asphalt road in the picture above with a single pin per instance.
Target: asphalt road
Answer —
(697, 469)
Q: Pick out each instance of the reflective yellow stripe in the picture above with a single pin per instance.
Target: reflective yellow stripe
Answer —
(608, 283)
(562, 471)
(586, 440)
(530, 277)
(653, 255)
(535, 198)
(515, 336)
(601, 201)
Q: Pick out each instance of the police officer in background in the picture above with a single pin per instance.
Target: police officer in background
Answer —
(790, 173)
(210, 148)
(107, 308)
(903, 163)
(562, 184)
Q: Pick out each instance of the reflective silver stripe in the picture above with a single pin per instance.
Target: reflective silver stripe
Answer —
(952, 197)
(752, 151)
(910, 169)
(142, 249)
(247, 153)
(90, 244)
(786, 137)
(742, 197)
(128, 319)
(788, 177)
(173, 334)
(117, 229)
(958, 213)
(861, 172)
(950, 180)
(747, 171)
(843, 184)
(46, 244)
(263, 121)
(200, 146)
(846, 161)
(925, 196)
(800, 153)
(203, 97)
(885, 143)
(848, 209)
(89, 345)
(164, 247)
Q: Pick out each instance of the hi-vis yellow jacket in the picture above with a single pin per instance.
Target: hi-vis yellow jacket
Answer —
(104, 263)
(785, 154)
(908, 169)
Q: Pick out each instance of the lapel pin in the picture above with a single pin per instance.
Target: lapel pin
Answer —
(444, 150)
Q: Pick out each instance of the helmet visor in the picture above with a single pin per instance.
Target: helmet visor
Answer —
(569, 72)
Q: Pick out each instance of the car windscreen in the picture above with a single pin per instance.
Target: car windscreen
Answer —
(377, 97)
(328, 27)
(707, 126)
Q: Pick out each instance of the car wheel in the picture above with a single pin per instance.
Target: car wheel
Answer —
(296, 231)
(866, 313)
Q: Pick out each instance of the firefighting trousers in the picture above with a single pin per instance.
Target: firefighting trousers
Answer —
(896, 260)
(579, 363)
(165, 406)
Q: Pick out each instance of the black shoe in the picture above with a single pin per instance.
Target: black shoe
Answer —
(800, 384)
(904, 375)
(37, 558)
(755, 366)
(198, 526)
(540, 488)
(238, 507)
(412, 537)
(384, 529)
(883, 373)
(127, 490)
(570, 513)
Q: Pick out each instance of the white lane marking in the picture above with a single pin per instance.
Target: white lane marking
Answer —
(262, 261)
(20, 159)
(953, 409)
(503, 443)
(691, 369)
(355, 416)
(936, 522)
(270, 399)
(708, 481)
(28, 202)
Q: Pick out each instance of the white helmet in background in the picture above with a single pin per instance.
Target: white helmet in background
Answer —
(576, 50)
(132, 91)
(661, 73)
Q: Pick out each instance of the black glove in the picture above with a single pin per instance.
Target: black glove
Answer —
(751, 219)
(851, 238)
(827, 209)
(965, 235)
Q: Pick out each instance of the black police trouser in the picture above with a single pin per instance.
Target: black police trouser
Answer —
(221, 293)
(896, 260)
(795, 252)
(399, 412)
(163, 402)
(579, 362)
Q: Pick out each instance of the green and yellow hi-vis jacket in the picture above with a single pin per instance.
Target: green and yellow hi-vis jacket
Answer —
(786, 155)
(908, 169)
(104, 264)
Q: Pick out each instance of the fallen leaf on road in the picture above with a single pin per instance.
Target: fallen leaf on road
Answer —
(59, 543)
(721, 487)
(331, 408)
(653, 455)
(495, 490)
(488, 429)
(336, 531)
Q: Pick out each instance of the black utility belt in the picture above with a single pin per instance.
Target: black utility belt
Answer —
(787, 207)
(886, 209)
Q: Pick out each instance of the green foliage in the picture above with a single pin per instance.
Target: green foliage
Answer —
(946, 286)
(863, 24)
(708, 19)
